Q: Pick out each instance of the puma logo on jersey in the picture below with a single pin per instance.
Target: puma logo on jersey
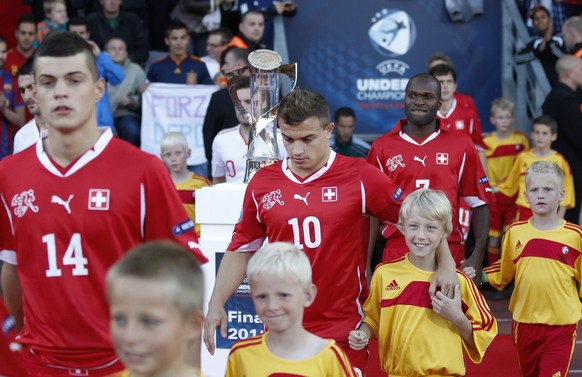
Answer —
(55, 199)
(303, 199)
(420, 160)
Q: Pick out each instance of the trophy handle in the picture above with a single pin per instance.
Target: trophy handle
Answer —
(290, 70)
(232, 79)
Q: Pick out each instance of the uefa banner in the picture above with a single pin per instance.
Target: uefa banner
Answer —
(175, 107)
(361, 54)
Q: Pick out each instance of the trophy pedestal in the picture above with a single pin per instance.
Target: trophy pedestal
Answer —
(218, 209)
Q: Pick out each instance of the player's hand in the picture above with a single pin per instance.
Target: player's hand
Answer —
(448, 308)
(446, 279)
(94, 48)
(476, 264)
(358, 339)
(469, 271)
(215, 317)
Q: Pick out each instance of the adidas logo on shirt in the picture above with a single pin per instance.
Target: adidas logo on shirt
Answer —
(393, 286)
(518, 245)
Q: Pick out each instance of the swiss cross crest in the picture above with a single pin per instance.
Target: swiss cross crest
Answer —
(442, 158)
(99, 199)
(459, 125)
(23, 202)
(329, 194)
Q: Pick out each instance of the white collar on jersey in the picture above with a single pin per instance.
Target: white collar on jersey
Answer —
(287, 170)
(412, 141)
(88, 156)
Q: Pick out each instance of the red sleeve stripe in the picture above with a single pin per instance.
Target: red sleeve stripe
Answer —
(254, 341)
(487, 319)
(493, 268)
(342, 358)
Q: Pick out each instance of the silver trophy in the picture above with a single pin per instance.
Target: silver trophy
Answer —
(265, 70)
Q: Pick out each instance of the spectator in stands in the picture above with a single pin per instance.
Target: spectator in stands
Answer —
(251, 30)
(220, 113)
(547, 46)
(216, 43)
(229, 148)
(125, 97)
(563, 104)
(191, 13)
(179, 67)
(344, 142)
(229, 14)
(56, 18)
(112, 22)
(28, 134)
(271, 9)
(107, 69)
(11, 106)
(572, 34)
(25, 36)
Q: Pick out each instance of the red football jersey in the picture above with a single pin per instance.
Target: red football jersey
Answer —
(14, 60)
(65, 227)
(464, 117)
(445, 161)
(326, 215)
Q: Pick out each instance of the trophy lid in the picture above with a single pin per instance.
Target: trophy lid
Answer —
(265, 59)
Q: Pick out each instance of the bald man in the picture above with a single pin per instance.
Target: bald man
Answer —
(563, 104)
(572, 35)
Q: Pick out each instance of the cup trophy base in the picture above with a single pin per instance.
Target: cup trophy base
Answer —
(254, 166)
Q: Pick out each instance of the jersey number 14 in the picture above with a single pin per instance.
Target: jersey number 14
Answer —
(73, 256)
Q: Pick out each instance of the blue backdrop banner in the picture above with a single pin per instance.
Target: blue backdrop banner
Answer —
(361, 54)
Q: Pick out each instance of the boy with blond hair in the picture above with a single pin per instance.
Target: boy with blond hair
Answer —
(542, 254)
(175, 153)
(281, 287)
(503, 146)
(56, 18)
(418, 336)
(155, 294)
(544, 132)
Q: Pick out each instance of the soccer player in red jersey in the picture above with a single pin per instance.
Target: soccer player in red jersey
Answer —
(421, 152)
(72, 205)
(321, 201)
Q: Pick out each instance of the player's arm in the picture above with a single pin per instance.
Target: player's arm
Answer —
(12, 292)
(230, 274)
(450, 308)
(480, 224)
(446, 275)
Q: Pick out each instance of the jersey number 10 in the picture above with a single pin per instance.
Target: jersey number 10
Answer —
(310, 234)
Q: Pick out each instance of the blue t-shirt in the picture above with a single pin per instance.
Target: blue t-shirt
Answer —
(170, 71)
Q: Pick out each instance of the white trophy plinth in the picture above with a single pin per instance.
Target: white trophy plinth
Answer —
(218, 209)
